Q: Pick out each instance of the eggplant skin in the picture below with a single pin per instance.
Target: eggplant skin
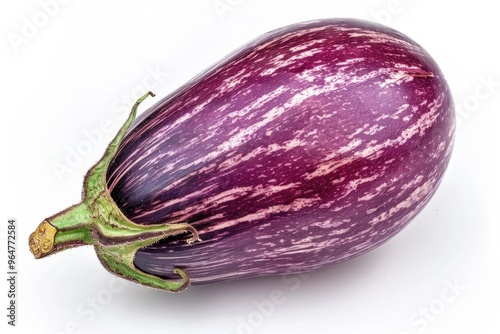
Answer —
(313, 144)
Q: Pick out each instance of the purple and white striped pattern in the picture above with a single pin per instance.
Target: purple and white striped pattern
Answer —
(313, 144)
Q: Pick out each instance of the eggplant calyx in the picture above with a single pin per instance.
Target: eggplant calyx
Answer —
(119, 259)
(98, 221)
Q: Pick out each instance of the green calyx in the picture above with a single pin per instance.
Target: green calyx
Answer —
(98, 221)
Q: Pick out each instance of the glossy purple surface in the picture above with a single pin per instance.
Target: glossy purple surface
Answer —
(311, 145)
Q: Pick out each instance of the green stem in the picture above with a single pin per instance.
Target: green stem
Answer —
(77, 237)
(67, 229)
(76, 216)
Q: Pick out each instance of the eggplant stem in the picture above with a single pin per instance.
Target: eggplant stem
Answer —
(67, 229)
(98, 221)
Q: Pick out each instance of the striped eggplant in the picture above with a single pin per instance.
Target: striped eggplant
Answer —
(315, 143)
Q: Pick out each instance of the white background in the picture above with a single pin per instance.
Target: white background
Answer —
(75, 73)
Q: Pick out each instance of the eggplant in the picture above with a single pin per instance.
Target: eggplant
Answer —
(313, 144)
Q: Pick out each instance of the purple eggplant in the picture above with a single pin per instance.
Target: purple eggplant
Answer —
(315, 143)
